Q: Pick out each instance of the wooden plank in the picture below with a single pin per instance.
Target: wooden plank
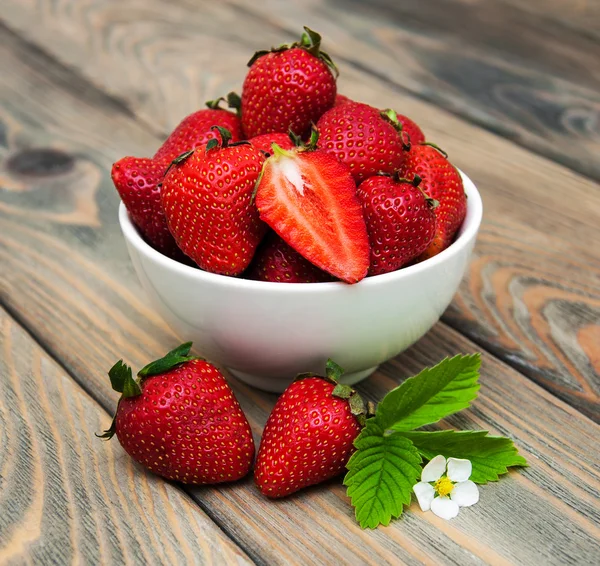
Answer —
(67, 278)
(526, 73)
(532, 296)
(67, 497)
(525, 70)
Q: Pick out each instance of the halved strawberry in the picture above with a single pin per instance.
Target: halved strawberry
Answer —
(309, 199)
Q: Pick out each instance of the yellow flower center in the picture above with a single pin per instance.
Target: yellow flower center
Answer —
(443, 486)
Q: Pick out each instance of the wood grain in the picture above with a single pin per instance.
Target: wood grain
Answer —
(68, 497)
(527, 72)
(534, 271)
(67, 278)
(524, 73)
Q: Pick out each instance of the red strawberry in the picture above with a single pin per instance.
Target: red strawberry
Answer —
(341, 99)
(309, 435)
(415, 134)
(363, 138)
(264, 142)
(400, 221)
(195, 130)
(207, 199)
(288, 87)
(442, 182)
(276, 261)
(181, 420)
(309, 199)
(136, 180)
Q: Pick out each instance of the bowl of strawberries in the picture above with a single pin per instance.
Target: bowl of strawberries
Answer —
(298, 227)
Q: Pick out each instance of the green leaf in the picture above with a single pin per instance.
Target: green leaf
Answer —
(433, 394)
(381, 475)
(122, 381)
(490, 455)
(175, 357)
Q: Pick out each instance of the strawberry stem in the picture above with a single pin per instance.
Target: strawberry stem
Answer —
(225, 138)
(233, 101)
(391, 116)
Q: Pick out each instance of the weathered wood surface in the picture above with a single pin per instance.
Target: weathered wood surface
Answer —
(528, 73)
(66, 277)
(532, 296)
(65, 496)
(527, 70)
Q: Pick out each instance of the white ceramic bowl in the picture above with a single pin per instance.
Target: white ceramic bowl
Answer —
(266, 333)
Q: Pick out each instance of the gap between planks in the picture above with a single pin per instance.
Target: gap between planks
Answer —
(18, 321)
(74, 76)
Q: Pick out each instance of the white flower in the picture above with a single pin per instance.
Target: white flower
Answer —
(445, 487)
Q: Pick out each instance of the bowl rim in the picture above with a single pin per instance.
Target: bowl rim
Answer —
(467, 233)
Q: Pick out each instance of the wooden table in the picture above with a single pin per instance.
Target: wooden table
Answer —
(510, 89)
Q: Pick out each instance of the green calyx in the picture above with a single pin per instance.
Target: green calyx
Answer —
(391, 116)
(178, 161)
(233, 101)
(214, 142)
(225, 140)
(310, 41)
(333, 372)
(312, 142)
(416, 181)
(122, 381)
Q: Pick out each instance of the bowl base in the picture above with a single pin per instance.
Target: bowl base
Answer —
(278, 385)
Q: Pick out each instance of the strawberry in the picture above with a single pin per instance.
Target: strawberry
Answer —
(288, 87)
(309, 435)
(195, 129)
(207, 199)
(341, 99)
(363, 138)
(442, 182)
(276, 261)
(264, 142)
(415, 134)
(400, 221)
(136, 180)
(181, 420)
(309, 199)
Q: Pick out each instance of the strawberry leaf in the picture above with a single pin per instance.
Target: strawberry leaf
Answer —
(381, 475)
(433, 394)
(491, 456)
(175, 357)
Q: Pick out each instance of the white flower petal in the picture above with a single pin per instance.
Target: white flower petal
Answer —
(465, 493)
(434, 470)
(444, 507)
(459, 469)
(425, 494)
